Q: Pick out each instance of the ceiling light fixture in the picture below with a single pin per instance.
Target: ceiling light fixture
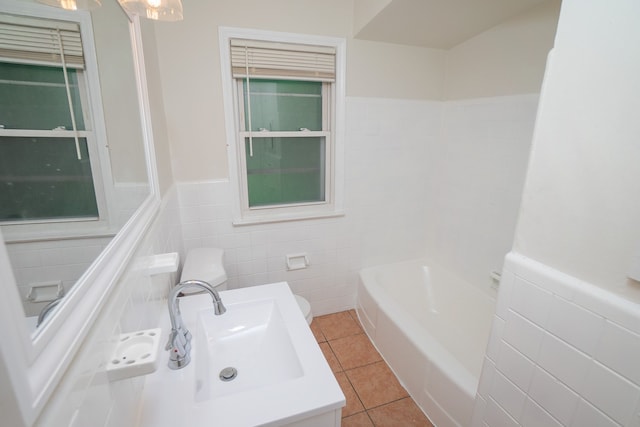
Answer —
(158, 10)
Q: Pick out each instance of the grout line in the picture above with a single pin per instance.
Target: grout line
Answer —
(356, 392)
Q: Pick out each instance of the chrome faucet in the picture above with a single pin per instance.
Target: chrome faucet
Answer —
(179, 344)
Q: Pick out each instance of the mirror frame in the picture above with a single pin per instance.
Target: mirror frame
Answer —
(33, 365)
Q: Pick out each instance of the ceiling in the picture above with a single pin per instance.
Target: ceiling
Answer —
(439, 24)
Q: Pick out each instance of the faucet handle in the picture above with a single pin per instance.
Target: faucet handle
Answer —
(172, 338)
(178, 353)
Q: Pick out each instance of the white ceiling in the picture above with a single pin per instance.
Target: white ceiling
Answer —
(439, 24)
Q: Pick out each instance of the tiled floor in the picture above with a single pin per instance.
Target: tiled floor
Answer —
(374, 395)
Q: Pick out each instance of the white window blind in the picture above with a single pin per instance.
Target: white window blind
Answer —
(264, 59)
(37, 41)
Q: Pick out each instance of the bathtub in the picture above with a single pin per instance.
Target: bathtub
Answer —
(432, 330)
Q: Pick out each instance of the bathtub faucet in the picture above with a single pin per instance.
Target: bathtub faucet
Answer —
(179, 344)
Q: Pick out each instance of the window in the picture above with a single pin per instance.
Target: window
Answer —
(286, 101)
(47, 146)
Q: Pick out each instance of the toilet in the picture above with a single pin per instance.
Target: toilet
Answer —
(305, 307)
(206, 264)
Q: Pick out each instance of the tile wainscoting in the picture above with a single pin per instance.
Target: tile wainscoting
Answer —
(85, 397)
(562, 353)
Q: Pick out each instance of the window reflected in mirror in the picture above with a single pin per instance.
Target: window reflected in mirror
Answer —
(72, 156)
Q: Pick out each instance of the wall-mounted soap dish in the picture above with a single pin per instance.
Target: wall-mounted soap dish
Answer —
(136, 353)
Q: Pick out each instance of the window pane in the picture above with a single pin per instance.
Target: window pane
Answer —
(35, 97)
(286, 170)
(284, 105)
(42, 178)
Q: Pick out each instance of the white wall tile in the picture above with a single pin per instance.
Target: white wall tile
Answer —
(523, 335)
(556, 398)
(586, 370)
(486, 156)
(611, 393)
(563, 361)
(511, 398)
(575, 325)
(536, 416)
(619, 349)
(495, 416)
(515, 366)
(530, 301)
(588, 415)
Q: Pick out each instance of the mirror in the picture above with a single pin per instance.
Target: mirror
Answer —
(49, 255)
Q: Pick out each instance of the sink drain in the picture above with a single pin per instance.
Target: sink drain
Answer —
(228, 374)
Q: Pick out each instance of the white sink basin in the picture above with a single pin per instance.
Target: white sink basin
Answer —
(251, 342)
(282, 376)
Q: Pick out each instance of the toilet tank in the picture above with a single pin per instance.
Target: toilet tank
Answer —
(205, 264)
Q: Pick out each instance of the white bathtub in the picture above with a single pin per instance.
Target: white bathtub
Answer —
(432, 329)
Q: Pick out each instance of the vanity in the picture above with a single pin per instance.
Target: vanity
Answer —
(258, 364)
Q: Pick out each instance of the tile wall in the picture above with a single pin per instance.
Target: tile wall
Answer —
(384, 150)
(66, 260)
(444, 178)
(562, 353)
(473, 190)
(61, 261)
(85, 397)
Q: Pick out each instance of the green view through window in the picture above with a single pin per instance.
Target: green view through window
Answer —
(283, 164)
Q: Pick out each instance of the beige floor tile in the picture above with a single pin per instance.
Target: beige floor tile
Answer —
(357, 420)
(353, 402)
(375, 384)
(337, 325)
(354, 351)
(374, 396)
(402, 412)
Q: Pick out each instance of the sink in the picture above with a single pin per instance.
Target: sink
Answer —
(248, 347)
(279, 376)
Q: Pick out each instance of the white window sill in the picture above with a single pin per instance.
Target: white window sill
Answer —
(62, 230)
(252, 220)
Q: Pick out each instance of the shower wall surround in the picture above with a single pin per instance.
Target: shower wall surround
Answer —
(474, 183)
(85, 397)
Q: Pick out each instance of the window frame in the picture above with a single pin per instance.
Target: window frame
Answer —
(95, 133)
(333, 118)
